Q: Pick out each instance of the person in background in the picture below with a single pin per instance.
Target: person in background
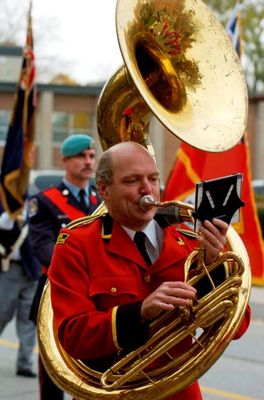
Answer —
(19, 273)
(106, 284)
(52, 209)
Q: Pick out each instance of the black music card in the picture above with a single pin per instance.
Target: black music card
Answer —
(218, 198)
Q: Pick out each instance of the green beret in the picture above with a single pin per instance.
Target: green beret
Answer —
(76, 144)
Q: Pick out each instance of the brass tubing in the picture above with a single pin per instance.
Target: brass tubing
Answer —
(185, 210)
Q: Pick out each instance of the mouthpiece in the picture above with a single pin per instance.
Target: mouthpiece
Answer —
(147, 202)
(175, 211)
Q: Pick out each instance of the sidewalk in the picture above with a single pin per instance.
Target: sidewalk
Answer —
(256, 302)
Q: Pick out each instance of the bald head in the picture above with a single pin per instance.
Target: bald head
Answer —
(117, 154)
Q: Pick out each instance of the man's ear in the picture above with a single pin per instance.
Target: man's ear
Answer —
(64, 160)
(102, 188)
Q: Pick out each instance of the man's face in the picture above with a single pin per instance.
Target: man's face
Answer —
(80, 166)
(134, 175)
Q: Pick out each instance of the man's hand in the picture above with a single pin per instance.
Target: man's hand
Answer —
(212, 237)
(166, 297)
(6, 222)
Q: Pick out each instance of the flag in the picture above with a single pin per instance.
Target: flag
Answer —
(193, 165)
(19, 149)
(233, 28)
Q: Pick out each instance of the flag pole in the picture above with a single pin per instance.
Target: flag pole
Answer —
(28, 59)
(19, 149)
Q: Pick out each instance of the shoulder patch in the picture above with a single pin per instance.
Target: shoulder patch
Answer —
(62, 238)
(32, 207)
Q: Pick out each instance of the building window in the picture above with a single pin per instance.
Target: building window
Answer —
(65, 124)
(4, 124)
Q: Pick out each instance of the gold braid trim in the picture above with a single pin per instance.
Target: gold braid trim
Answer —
(99, 212)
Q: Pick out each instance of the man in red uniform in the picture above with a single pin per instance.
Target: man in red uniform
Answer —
(50, 210)
(104, 293)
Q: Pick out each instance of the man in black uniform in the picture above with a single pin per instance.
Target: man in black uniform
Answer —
(52, 209)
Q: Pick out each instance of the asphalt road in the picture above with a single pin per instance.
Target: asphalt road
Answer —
(237, 375)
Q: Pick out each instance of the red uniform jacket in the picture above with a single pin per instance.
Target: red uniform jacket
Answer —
(98, 280)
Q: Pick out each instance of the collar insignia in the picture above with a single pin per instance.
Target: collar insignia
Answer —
(62, 238)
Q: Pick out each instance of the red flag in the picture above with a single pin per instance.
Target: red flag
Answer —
(19, 149)
(193, 165)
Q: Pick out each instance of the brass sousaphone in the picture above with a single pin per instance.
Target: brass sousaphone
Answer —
(180, 66)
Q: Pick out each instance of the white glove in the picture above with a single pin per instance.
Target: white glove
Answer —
(6, 222)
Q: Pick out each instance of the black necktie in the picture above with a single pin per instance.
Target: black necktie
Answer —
(139, 240)
(83, 204)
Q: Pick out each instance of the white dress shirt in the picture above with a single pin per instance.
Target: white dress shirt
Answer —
(154, 238)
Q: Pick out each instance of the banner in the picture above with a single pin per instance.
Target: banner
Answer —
(19, 149)
(193, 165)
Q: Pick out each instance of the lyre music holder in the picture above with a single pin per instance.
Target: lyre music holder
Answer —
(218, 198)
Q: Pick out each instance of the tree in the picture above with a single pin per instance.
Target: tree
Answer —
(252, 36)
(13, 21)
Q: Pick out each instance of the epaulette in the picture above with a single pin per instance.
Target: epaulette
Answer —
(99, 212)
(83, 221)
(187, 233)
